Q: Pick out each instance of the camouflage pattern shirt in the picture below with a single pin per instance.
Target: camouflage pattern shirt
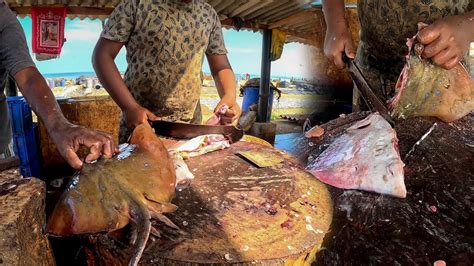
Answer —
(385, 26)
(166, 41)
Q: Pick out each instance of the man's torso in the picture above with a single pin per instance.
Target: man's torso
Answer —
(165, 55)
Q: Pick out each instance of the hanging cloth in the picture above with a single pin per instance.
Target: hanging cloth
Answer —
(48, 31)
(278, 41)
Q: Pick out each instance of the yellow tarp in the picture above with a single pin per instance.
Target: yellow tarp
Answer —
(278, 41)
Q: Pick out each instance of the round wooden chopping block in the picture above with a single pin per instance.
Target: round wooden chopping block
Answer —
(234, 212)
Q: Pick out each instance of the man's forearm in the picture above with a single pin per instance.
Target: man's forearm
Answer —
(109, 75)
(334, 13)
(34, 88)
(226, 84)
(223, 76)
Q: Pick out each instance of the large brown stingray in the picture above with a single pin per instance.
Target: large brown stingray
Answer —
(133, 187)
(425, 89)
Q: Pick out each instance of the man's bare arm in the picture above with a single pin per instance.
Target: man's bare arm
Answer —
(223, 75)
(103, 60)
(67, 136)
(338, 38)
(226, 85)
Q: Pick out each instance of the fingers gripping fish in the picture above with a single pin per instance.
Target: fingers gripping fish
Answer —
(130, 188)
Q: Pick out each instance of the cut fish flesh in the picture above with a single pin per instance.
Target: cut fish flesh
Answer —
(365, 157)
(215, 119)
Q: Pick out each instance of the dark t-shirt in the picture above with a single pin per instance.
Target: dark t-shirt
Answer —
(14, 56)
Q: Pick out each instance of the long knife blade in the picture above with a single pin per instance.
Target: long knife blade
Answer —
(188, 131)
(366, 91)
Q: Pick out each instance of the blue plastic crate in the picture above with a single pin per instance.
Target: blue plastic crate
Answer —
(26, 148)
(20, 115)
(32, 169)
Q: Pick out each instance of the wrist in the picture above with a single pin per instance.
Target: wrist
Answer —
(58, 126)
(229, 98)
(130, 106)
(339, 26)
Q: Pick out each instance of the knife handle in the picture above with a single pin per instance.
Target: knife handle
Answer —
(346, 59)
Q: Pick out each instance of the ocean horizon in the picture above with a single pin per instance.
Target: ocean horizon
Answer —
(74, 75)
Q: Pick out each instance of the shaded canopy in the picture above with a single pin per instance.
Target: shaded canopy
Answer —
(302, 20)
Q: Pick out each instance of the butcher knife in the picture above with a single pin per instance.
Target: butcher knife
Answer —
(366, 91)
(189, 131)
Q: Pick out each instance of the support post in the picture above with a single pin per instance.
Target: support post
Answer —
(265, 77)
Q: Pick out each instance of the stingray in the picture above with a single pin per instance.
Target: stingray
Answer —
(365, 157)
(131, 188)
(424, 89)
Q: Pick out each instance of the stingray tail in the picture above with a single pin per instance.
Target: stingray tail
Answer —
(141, 226)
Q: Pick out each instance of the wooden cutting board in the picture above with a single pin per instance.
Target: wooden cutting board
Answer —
(236, 213)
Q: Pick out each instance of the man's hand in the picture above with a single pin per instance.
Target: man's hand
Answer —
(226, 87)
(233, 112)
(447, 40)
(338, 40)
(137, 115)
(69, 137)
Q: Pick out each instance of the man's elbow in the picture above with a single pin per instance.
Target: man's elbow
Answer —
(96, 54)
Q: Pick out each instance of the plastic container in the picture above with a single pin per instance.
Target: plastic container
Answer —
(20, 115)
(26, 148)
(51, 83)
(251, 95)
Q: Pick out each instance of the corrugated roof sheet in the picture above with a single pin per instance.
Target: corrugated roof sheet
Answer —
(302, 20)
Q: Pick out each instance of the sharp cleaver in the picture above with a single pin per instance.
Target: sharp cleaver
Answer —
(188, 131)
(366, 91)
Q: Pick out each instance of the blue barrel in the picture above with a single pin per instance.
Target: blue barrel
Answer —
(251, 97)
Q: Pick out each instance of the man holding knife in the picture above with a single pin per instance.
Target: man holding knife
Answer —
(166, 41)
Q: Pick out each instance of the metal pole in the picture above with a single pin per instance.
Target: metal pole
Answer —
(265, 77)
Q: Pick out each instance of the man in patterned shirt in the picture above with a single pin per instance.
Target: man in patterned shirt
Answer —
(166, 41)
(385, 26)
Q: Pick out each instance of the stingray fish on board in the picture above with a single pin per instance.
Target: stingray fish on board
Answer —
(424, 89)
(365, 157)
(133, 187)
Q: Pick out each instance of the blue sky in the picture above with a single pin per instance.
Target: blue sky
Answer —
(244, 51)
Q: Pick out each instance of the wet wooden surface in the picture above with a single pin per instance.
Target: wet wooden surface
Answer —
(22, 217)
(432, 223)
(435, 220)
(235, 212)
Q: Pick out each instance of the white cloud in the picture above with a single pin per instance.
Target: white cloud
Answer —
(294, 62)
(242, 50)
(83, 30)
